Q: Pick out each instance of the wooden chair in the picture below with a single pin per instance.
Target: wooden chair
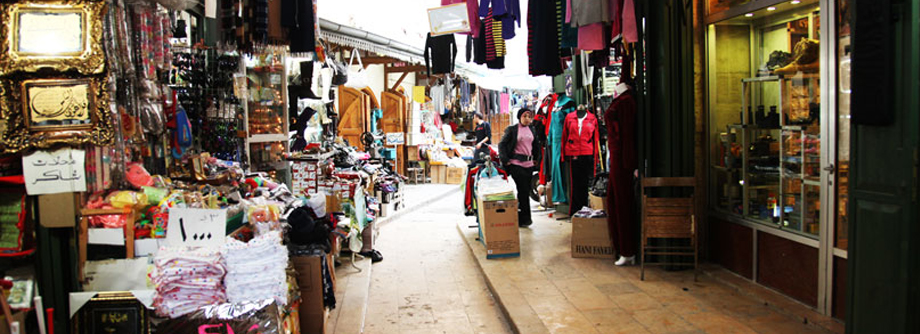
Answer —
(668, 218)
(83, 234)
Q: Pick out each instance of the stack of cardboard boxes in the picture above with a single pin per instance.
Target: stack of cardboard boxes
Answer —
(591, 236)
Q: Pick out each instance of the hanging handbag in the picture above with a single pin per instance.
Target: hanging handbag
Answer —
(339, 71)
(357, 80)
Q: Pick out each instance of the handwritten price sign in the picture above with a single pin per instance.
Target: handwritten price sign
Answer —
(51, 172)
(196, 227)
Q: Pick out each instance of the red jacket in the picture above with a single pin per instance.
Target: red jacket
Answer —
(574, 144)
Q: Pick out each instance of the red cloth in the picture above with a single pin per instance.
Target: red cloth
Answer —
(472, 8)
(591, 37)
(620, 120)
(575, 144)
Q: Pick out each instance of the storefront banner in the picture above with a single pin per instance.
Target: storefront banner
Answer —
(52, 172)
(449, 19)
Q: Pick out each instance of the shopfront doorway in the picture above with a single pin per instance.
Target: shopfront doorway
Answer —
(778, 133)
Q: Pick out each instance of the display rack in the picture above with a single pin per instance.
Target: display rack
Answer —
(779, 168)
(267, 114)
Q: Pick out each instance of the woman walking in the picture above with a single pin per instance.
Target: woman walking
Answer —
(519, 151)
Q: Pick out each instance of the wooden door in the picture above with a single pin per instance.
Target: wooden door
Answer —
(394, 120)
(353, 109)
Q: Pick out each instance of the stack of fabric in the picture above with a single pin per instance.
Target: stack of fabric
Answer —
(187, 279)
(256, 270)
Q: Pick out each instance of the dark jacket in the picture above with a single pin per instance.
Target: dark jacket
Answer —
(509, 142)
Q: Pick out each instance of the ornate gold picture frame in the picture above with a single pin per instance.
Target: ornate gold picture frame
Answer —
(41, 113)
(112, 312)
(58, 34)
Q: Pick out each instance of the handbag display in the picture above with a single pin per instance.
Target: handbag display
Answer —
(357, 80)
(339, 71)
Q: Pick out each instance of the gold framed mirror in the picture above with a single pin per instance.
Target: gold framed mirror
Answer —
(60, 35)
(41, 113)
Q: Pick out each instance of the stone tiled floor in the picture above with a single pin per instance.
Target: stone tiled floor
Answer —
(428, 282)
(548, 291)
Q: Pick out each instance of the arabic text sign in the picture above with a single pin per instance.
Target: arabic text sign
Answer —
(51, 172)
(196, 227)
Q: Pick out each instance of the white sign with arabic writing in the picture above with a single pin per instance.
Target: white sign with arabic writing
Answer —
(196, 227)
(52, 172)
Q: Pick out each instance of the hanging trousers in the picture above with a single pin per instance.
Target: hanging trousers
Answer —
(522, 177)
(580, 172)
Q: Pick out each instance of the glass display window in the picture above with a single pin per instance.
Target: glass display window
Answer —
(265, 76)
(765, 116)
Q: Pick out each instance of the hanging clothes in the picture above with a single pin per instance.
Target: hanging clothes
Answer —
(616, 19)
(542, 41)
(587, 12)
(569, 37)
(500, 50)
(565, 105)
(592, 37)
(300, 19)
(506, 11)
(440, 54)
(620, 120)
(437, 99)
(472, 9)
(464, 94)
(579, 148)
(630, 27)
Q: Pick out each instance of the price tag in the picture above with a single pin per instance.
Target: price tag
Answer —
(196, 227)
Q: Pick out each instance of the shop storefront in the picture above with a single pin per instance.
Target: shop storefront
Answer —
(777, 103)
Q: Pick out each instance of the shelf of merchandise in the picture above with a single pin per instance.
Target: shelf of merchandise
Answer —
(790, 167)
(275, 75)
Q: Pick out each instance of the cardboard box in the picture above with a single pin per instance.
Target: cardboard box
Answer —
(591, 239)
(310, 281)
(332, 204)
(58, 210)
(455, 175)
(438, 174)
(498, 228)
(412, 152)
(597, 202)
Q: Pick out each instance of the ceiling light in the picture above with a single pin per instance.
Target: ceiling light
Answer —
(795, 2)
(771, 8)
(749, 14)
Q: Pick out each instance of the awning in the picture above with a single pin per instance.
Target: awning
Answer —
(370, 42)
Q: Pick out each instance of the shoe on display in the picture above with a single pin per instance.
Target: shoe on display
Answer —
(626, 261)
(804, 59)
(373, 254)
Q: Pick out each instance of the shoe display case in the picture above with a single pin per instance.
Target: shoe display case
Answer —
(777, 77)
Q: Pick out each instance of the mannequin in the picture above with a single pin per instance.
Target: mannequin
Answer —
(579, 149)
(620, 120)
(564, 106)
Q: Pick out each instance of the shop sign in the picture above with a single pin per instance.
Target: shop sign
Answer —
(196, 227)
(52, 172)
(396, 138)
(449, 19)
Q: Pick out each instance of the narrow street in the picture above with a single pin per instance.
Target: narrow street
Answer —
(429, 282)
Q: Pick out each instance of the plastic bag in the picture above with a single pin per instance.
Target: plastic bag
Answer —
(263, 317)
(138, 176)
(126, 199)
